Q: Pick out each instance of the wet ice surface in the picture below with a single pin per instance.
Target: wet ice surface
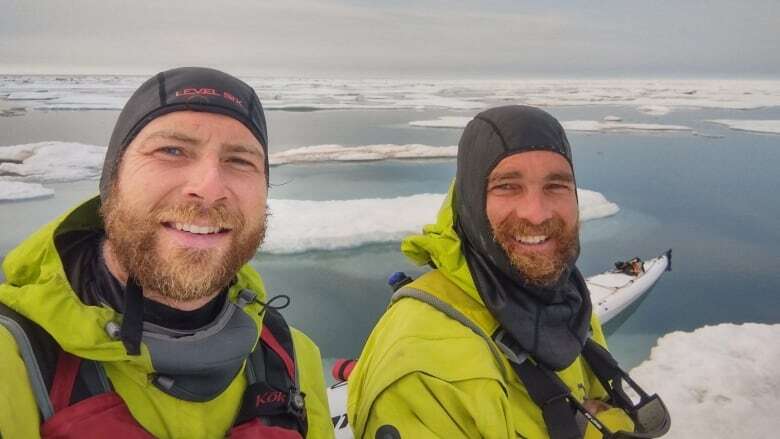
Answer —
(651, 97)
(758, 126)
(717, 381)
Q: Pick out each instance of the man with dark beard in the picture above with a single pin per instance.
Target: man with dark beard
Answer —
(136, 314)
(449, 357)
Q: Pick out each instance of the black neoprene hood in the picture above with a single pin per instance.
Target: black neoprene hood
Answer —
(183, 89)
(550, 323)
(490, 137)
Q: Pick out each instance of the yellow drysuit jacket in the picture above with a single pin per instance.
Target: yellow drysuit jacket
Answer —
(36, 287)
(430, 376)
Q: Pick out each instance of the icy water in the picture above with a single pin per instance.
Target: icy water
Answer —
(712, 198)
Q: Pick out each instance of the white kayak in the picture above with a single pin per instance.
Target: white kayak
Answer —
(612, 293)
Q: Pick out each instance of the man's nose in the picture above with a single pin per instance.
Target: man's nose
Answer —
(534, 207)
(206, 182)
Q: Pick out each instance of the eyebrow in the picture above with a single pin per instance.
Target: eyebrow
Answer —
(555, 176)
(243, 148)
(182, 137)
(505, 176)
(173, 135)
(560, 176)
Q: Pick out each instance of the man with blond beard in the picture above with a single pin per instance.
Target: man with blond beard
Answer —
(136, 313)
(491, 343)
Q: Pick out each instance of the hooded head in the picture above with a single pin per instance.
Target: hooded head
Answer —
(549, 319)
(187, 207)
(493, 136)
(183, 89)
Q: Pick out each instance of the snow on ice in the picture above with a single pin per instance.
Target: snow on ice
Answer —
(757, 126)
(24, 167)
(322, 153)
(298, 226)
(718, 381)
(607, 126)
(594, 205)
(16, 190)
(610, 123)
(51, 161)
(652, 97)
(443, 122)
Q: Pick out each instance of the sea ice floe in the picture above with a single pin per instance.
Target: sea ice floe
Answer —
(41, 95)
(443, 122)
(51, 161)
(85, 102)
(17, 190)
(756, 126)
(24, 167)
(653, 97)
(605, 125)
(297, 226)
(322, 153)
(594, 205)
(69, 96)
(717, 381)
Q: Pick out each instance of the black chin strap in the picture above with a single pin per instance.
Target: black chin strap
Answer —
(131, 331)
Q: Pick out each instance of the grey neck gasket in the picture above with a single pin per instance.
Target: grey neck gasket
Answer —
(199, 365)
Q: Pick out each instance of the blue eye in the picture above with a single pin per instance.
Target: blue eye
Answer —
(172, 150)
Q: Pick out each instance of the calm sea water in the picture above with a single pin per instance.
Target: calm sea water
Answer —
(713, 200)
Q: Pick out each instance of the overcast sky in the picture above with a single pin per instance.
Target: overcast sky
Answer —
(491, 38)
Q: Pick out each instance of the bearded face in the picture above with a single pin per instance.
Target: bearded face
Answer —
(531, 205)
(188, 205)
(177, 272)
(539, 268)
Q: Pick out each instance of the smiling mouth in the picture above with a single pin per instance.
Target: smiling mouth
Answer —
(195, 229)
(532, 239)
